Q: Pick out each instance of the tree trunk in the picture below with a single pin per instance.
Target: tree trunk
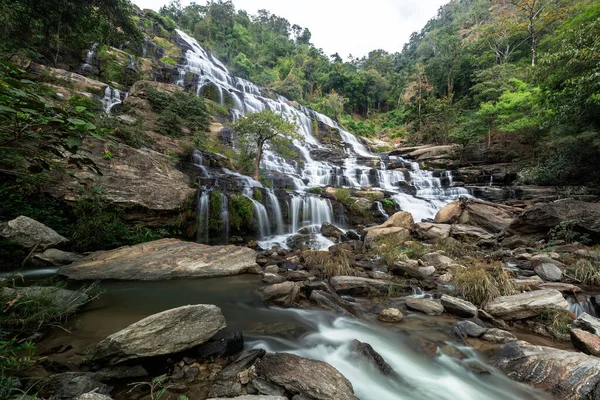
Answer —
(257, 161)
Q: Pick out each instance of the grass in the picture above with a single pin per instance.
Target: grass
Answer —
(584, 271)
(557, 321)
(455, 248)
(327, 264)
(342, 195)
(481, 284)
(390, 249)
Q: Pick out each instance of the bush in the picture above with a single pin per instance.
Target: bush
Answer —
(342, 195)
(15, 357)
(241, 213)
(480, 285)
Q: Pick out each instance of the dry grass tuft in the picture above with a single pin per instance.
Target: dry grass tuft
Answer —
(481, 284)
(327, 264)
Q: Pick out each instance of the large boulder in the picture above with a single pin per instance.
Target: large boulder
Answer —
(459, 307)
(301, 376)
(537, 220)
(431, 231)
(401, 234)
(398, 224)
(162, 259)
(357, 286)
(29, 233)
(549, 272)
(283, 294)
(428, 307)
(167, 332)
(490, 217)
(565, 374)
(587, 342)
(331, 231)
(526, 305)
(469, 232)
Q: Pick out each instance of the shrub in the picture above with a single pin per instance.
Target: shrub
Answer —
(342, 195)
(479, 284)
(241, 213)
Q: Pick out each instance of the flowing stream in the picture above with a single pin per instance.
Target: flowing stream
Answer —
(360, 168)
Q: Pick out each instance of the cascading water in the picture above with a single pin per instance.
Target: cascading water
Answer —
(426, 194)
(89, 59)
(587, 305)
(112, 97)
(203, 215)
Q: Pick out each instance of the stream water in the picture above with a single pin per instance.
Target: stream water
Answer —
(313, 334)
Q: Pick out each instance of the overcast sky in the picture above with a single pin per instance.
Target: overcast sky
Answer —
(344, 26)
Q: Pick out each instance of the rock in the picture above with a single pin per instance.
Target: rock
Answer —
(250, 397)
(401, 219)
(131, 177)
(314, 379)
(588, 323)
(167, 332)
(400, 268)
(273, 278)
(93, 396)
(469, 232)
(390, 315)
(586, 342)
(431, 231)
(331, 302)
(366, 352)
(490, 217)
(29, 233)
(280, 294)
(437, 259)
(549, 272)
(459, 307)
(525, 305)
(229, 345)
(464, 329)
(356, 286)
(226, 388)
(162, 259)
(55, 257)
(428, 307)
(330, 231)
(271, 269)
(402, 234)
(495, 335)
(66, 300)
(265, 387)
(537, 220)
(565, 374)
(424, 272)
(70, 385)
(561, 287)
(529, 283)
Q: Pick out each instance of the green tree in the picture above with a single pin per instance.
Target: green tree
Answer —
(334, 104)
(265, 128)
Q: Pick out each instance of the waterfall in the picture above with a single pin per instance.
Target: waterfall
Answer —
(89, 59)
(111, 98)
(417, 191)
(224, 214)
(203, 216)
(381, 210)
(198, 161)
(586, 306)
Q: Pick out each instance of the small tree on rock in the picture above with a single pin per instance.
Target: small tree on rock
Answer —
(266, 128)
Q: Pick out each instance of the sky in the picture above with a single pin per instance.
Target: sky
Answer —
(344, 26)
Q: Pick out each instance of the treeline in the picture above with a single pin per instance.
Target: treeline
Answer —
(506, 79)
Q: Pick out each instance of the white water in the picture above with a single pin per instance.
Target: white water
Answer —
(583, 306)
(203, 216)
(439, 378)
(111, 98)
(357, 164)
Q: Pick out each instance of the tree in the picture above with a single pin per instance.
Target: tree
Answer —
(334, 104)
(265, 128)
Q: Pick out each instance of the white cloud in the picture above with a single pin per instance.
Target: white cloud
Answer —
(345, 26)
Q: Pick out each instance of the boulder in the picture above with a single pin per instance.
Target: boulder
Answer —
(587, 342)
(29, 233)
(366, 352)
(565, 374)
(250, 397)
(526, 305)
(162, 259)
(401, 219)
(93, 396)
(494, 335)
(437, 259)
(229, 345)
(431, 231)
(464, 329)
(424, 272)
(588, 323)
(273, 278)
(402, 234)
(469, 232)
(356, 286)
(459, 307)
(313, 379)
(491, 217)
(428, 307)
(549, 272)
(272, 269)
(331, 302)
(537, 220)
(331, 231)
(55, 257)
(280, 294)
(167, 332)
(390, 315)
(70, 385)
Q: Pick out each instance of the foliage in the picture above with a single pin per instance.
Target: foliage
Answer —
(391, 248)
(558, 321)
(565, 230)
(342, 195)
(241, 213)
(265, 128)
(15, 357)
(480, 284)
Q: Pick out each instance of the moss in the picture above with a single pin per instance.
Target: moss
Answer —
(241, 213)
(258, 195)
(317, 190)
(215, 205)
(342, 195)
(168, 60)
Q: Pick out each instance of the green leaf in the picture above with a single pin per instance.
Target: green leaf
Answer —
(7, 109)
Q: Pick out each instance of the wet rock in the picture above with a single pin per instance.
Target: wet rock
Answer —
(588, 323)
(356, 286)
(431, 231)
(284, 294)
(565, 374)
(29, 233)
(366, 352)
(229, 345)
(425, 346)
(464, 329)
(437, 259)
(330, 231)
(490, 217)
(69, 385)
(267, 388)
(162, 259)
(55, 257)
(298, 375)
(167, 332)
(494, 335)
(459, 307)
(299, 241)
(549, 272)
(390, 315)
(587, 342)
(428, 307)
(526, 305)
(330, 302)
(272, 278)
(243, 362)
(114, 373)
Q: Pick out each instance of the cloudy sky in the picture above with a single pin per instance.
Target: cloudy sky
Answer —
(344, 26)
